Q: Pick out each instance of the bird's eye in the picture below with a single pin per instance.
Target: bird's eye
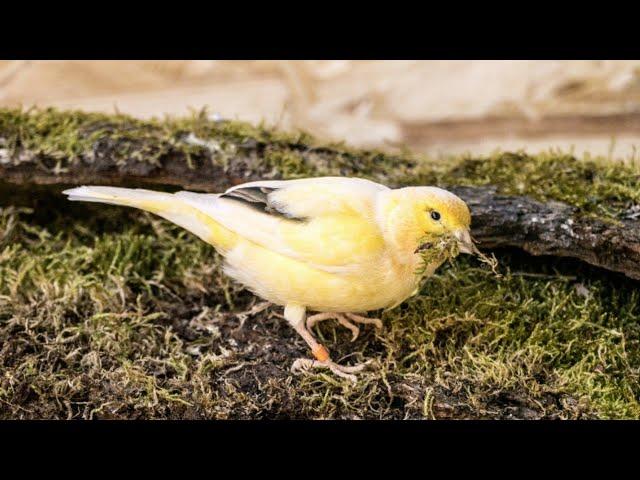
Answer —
(435, 215)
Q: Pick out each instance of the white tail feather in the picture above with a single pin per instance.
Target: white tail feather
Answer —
(166, 205)
(116, 195)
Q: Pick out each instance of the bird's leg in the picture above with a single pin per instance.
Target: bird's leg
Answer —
(345, 319)
(295, 315)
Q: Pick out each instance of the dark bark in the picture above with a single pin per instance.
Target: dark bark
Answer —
(550, 228)
(173, 170)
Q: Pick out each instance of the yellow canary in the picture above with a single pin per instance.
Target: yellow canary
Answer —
(331, 245)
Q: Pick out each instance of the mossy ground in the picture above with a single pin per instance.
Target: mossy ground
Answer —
(112, 313)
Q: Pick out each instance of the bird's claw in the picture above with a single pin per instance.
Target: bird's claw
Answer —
(365, 320)
(304, 364)
(344, 319)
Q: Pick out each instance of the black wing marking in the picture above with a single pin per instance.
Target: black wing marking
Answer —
(258, 198)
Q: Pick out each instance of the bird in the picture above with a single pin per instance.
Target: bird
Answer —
(337, 246)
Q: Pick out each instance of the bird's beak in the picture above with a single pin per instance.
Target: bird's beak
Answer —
(465, 243)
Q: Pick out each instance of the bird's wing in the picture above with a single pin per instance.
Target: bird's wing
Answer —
(327, 222)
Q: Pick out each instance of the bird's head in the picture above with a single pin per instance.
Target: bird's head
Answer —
(413, 217)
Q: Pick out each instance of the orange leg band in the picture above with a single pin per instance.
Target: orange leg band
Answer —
(321, 353)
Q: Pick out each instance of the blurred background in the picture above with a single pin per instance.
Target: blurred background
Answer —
(436, 107)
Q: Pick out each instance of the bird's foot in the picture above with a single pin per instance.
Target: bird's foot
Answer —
(345, 319)
(365, 320)
(304, 364)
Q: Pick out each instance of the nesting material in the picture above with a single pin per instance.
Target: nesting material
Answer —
(436, 249)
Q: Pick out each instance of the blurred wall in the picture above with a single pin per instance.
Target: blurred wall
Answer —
(433, 106)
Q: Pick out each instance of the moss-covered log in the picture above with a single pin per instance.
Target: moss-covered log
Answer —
(57, 148)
